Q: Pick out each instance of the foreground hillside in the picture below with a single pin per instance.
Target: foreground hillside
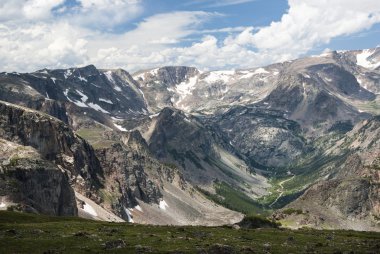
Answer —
(26, 233)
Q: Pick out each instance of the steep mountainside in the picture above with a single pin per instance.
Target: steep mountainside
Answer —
(202, 153)
(158, 145)
(349, 196)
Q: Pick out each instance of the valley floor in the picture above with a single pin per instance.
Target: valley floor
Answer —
(26, 233)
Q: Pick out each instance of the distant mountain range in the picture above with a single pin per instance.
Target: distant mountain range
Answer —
(298, 141)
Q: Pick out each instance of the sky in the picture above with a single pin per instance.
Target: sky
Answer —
(207, 34)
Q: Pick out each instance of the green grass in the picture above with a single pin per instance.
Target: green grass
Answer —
(95, 137)
(26, 233)
(234, 199)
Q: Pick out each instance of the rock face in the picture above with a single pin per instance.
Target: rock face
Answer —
(126, 168)
(271, 141)
(157, 85)
(200, 152)
(54, 141)
(139, 188)
(36, 185)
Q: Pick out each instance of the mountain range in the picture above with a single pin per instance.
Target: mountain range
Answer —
(297, 141)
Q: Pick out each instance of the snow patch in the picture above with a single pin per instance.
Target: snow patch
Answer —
(143, 95)
(129, 215)
(105, 100)
(260, 71)
(163, 205)
(185, 88)
(139, 76)
(153, 116)
(78, 103)
(215, 76)
(362, 59)
(53, 79)
(109, 76)
(153, 72)
(247, 75)
(68, 73)
(82, 79)
(138, 208)
(97, 108)
(120, 127)
(361, 83)
(89, 209)
(117, 88)
(84, 97)
(3, 205)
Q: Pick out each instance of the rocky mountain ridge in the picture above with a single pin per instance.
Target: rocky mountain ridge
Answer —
(179, 130)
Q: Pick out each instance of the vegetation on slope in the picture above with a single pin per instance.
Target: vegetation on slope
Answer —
(27, 233)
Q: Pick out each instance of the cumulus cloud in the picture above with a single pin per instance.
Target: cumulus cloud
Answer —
(220, 3)
(306, 25)
(41, 45)
(314, 22)
(27, 9)
(61, 36)
(106, 14)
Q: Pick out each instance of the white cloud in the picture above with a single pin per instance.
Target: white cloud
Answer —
(220, 3)
(40, 9)
(41, 45)
(81, 35)
(27, 9)
(225, 30)
(314, 22)
(105, 14)
(306, 25)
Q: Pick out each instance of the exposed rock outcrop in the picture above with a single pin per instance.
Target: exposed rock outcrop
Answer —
(33, 184)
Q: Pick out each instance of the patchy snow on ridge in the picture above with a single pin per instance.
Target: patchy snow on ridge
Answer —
(105, 100)
(129, 215)
(260, 71)
(154, 72)
(215, 76)
(119, 127)
(139, 76)
(246, 75)
(89, 209)
(68, 73)
(82, 79)
(97, 108)
(143, 95)
(186, 87)
(163, 205)
(138, 208)
(78, 103)
(109, 76)
(84, 97)
(362, 59)
(154, 115)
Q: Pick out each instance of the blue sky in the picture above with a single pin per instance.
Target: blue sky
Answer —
(208, 34)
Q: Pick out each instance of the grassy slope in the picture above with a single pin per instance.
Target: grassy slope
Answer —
(26, 233)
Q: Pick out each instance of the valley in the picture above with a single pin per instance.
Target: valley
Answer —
(179, 146)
